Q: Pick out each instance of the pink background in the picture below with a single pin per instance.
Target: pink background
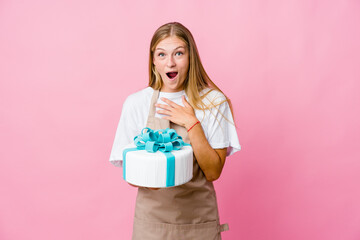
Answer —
(291, 69)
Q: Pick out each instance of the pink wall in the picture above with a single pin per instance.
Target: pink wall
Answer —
(291, 69)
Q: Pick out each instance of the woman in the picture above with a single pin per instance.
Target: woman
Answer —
(180, 96)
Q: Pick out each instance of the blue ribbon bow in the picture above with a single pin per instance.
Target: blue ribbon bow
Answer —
(163, 140)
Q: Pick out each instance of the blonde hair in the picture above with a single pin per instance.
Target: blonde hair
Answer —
(197, 79)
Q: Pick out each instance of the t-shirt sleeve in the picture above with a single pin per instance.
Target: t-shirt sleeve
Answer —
(125, 133)
(220, 129)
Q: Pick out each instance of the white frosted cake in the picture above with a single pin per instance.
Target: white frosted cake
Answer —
(160, 168)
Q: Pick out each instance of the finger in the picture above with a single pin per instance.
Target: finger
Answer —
(164, 112)
(173, 119)
(166, 117)
(163, 106)
(169, 102)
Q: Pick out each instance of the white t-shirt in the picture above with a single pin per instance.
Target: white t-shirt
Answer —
(217, 122)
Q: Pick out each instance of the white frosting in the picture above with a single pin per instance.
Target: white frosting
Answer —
(149, 169)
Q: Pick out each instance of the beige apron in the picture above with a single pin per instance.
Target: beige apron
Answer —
(183, 212)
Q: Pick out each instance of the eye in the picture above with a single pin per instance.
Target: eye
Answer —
(161, 54)
(178, 53)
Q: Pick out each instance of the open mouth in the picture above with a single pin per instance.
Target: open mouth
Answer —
(171, 75)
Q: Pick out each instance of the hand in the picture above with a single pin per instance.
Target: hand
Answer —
(183, 116)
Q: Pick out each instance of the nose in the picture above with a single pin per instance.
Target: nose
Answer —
(170, 62)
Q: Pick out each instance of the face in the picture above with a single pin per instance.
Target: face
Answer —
(171, 60)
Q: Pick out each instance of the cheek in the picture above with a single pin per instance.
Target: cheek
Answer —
(158, 67)
(184, 64)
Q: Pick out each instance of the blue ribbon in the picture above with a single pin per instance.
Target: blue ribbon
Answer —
(163, 140)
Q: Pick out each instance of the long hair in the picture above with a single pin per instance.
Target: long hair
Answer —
(197, 79)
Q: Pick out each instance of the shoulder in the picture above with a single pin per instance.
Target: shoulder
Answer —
(139, 98)
(212, 97)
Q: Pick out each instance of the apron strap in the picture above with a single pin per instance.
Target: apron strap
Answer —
(224, 227)
(153, 101)
(153, 122)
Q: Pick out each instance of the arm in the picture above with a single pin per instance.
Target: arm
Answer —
(211, 161)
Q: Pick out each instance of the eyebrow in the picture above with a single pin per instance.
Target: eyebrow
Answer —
(164, 49)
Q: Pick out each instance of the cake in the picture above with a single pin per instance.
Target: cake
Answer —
(158, 159)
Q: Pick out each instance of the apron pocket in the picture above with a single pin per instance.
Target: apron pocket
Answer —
(145, 230)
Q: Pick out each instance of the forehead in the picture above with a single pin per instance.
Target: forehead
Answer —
(170, 43)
